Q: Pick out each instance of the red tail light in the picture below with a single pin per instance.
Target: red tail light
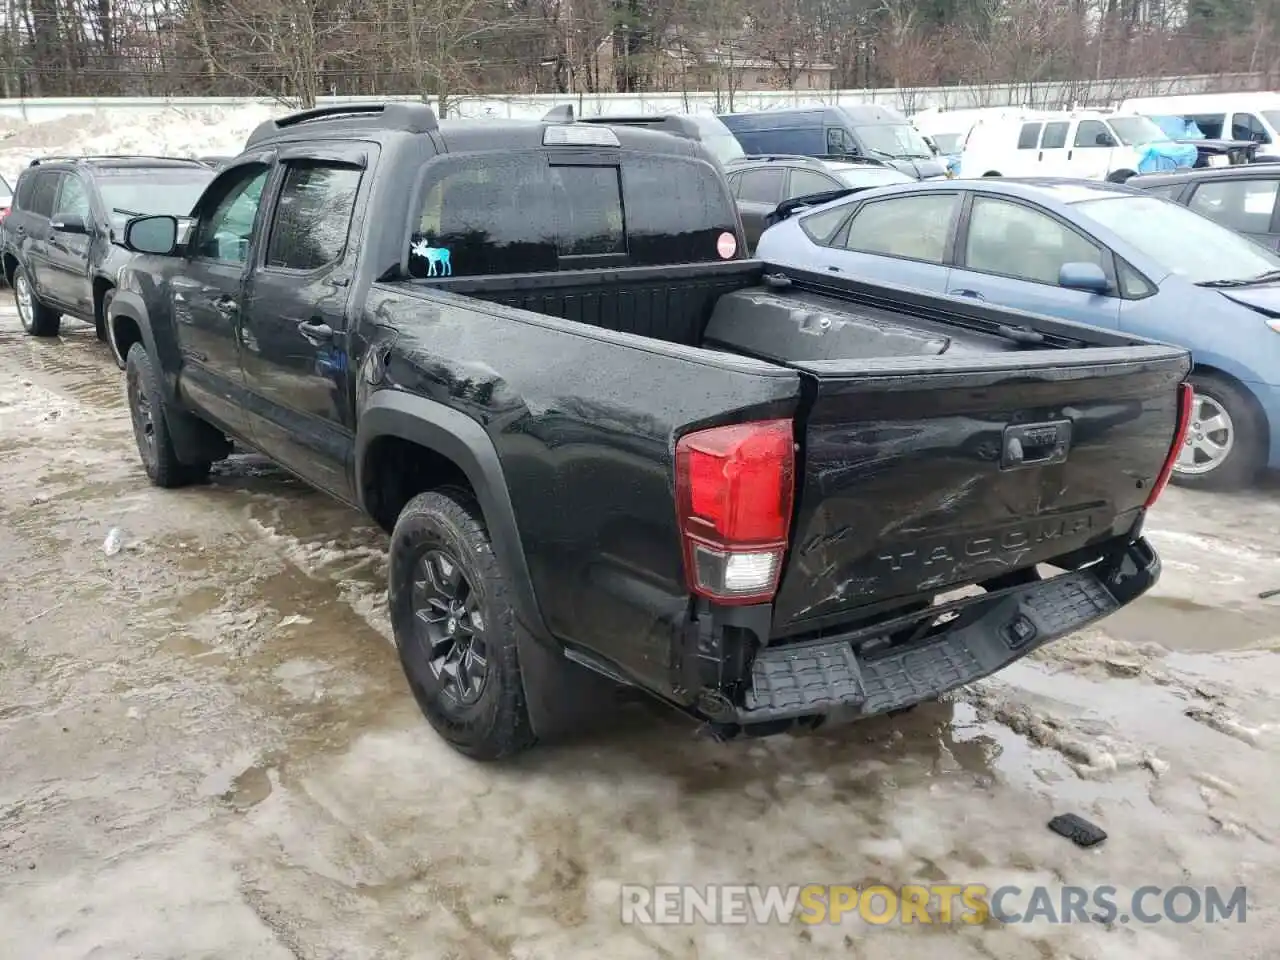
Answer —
(1186, 398)
(735, 487)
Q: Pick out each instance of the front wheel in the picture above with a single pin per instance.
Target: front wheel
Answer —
(100, 321)
(1225, 447)
(455, 627)
(148, 411)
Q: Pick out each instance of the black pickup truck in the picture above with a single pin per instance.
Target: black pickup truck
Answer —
(611, 450)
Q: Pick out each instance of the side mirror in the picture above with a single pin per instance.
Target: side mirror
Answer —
(1083, 276)
(158, 235)
(1104, 140)
(69, 223)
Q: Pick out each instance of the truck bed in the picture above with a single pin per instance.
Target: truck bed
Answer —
(940, 442)
(786, 316)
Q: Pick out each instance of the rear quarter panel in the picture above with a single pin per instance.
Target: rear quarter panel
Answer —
(584, 422)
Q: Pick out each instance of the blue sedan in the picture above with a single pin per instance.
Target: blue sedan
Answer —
(1096, 253)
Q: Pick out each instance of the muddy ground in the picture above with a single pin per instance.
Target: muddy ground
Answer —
(207, 748)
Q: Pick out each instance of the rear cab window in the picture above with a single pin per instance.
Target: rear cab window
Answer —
(545, 210)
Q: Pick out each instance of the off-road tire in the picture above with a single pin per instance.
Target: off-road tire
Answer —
(1248, 453)
(147, 409)
(497, 725)
(100, 321)
(40, 320)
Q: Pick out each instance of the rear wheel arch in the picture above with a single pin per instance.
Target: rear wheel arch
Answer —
(442, 448)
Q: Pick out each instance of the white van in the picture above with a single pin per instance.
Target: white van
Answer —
(1087, 145)
(1221, 116)
(948, 128)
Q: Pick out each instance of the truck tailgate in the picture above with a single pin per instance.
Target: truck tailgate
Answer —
(925, 474)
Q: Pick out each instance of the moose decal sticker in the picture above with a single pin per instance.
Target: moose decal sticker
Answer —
(437, 258)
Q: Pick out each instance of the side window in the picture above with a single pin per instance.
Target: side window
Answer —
(1210, 124)
(26, 190)
(1088, 132)
(1054, 136)
(821, 226)
(73, 197)
(1133, 285)
(1245, 126)
(838, 143)
(1169, 191)
(1243, 205)
(805, 183)
(915, 227)
(224, 232)
(1016, 241)
(43, 194)
(309, 229)
(735, 181)
(1029, 136)
(762, 185)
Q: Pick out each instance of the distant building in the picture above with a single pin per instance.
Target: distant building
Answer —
(692, 64)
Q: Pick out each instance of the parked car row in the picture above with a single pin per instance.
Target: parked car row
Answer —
(60, 238)
(610, 448)
(1107, 255)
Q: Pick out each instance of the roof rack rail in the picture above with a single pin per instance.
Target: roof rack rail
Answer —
(391, 115)
(71, 158)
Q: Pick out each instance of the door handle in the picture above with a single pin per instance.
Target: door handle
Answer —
(315, 331)
(967, 293)
(1041, 156)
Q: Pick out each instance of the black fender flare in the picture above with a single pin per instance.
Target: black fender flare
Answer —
(193, 439)
(129, 304)
(560, 695)
(454, 435)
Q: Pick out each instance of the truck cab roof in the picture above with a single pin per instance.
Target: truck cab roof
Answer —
(377, 121)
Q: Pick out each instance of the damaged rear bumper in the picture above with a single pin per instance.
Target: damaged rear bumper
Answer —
(837, 678)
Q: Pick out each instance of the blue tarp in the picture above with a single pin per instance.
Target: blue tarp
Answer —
(1179, 128)
(1166, 155)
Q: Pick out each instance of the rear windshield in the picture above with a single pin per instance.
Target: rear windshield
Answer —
(535, 212)
(130, 192)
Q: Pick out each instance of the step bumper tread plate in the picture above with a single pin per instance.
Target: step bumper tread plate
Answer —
(824, 676)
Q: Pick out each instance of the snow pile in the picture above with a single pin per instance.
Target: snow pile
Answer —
(173, 132)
